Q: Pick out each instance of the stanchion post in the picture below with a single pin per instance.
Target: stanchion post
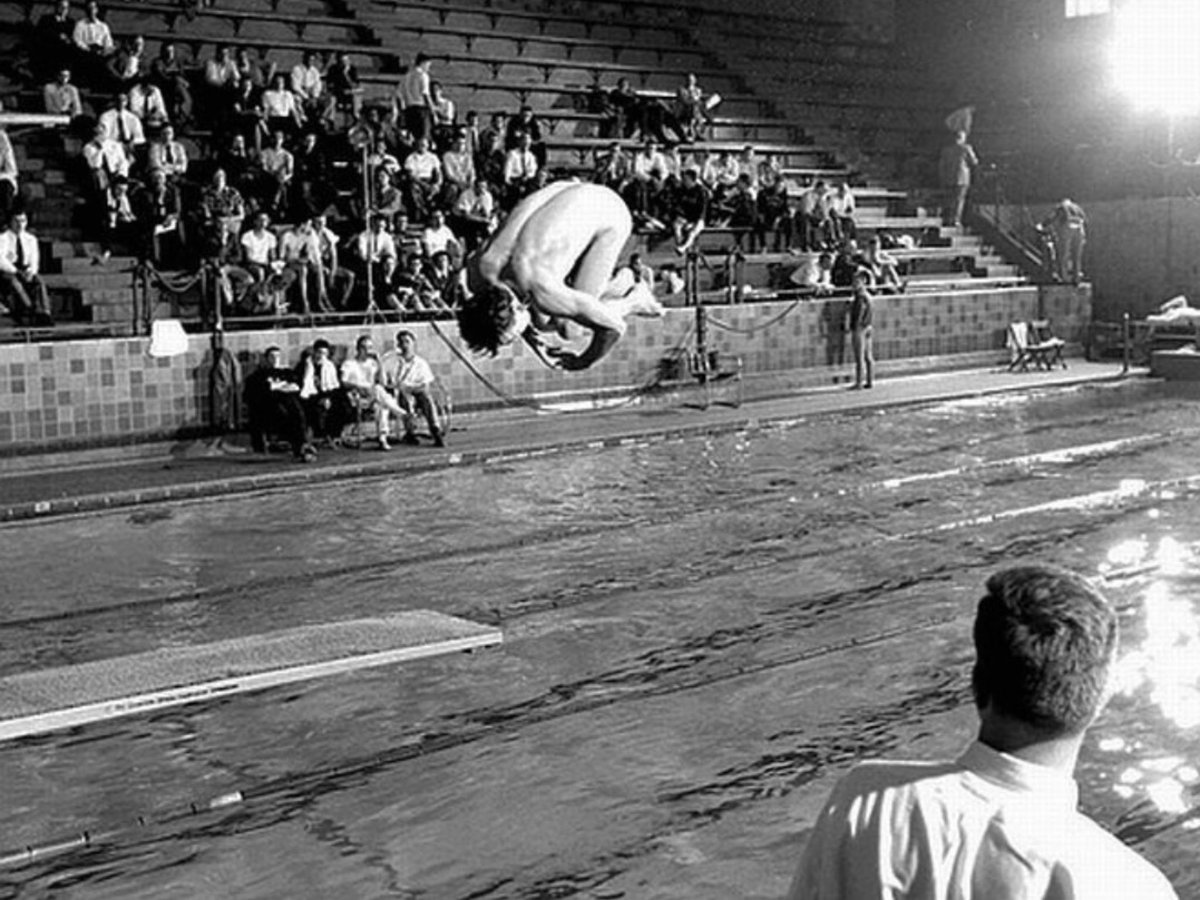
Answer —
(1127, 347)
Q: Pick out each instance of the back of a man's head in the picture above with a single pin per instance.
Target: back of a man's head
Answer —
(1044, 640)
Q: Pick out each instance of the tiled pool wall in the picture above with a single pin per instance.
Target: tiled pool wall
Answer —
(60, 395)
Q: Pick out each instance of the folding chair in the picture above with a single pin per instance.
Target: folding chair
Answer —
(1049, 346)
(362, 412)
(1028, 345)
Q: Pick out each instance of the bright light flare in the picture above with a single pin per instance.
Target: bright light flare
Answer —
(1154, 58)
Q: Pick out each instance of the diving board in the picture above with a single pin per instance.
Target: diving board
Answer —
(51, 699)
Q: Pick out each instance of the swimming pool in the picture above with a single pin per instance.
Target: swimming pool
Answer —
(701, 635)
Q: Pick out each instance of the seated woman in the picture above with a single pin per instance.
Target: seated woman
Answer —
(550, 267)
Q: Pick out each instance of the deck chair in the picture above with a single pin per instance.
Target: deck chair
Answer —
(1025, 348)
(1049, 346)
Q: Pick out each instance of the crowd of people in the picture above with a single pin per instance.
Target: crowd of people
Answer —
(311, 403)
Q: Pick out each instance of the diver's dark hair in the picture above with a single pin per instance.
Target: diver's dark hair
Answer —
(484, 317)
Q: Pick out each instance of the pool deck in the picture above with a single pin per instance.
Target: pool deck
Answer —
(49, 485)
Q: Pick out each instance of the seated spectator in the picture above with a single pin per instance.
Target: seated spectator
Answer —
(526, 123)
(168, 156)
(274, 408)
(362, 379)
(106, 160)
(411, 378)
(308, 85)
(814, 274)
(474, 215)
(444, 116)
(332, 282)
(129, 65)
(846, 263)
(770, 172)
(326, 409)
(492, 152)
(283, 110)
(61, 98)
(448, 280)
(773, 216)
(279, 166)
(21, 287)
(639, 272)
(413, 291)
(270, 278)
(222, 211)
(123, 126)
(382, 158)
(247, 117)
(727, 172)
(424, 179)
(841, 213)
(221, 80)
(458, 167)
(690, 211)
(520, 170)
(240, 165)
(169, 74)
(148, 104)
(388, 200)
(437, 237)
(376, 253)
(250, 69)
(813, 226)
(628, 106)
(741, 205)
(342, 80)
(691, 110)
(161, 234)
(472, 134)
(119, 224)
(94, 42)
(312, 192)
(649, 173)
(882, 266)
(614, 168)
(298, 249)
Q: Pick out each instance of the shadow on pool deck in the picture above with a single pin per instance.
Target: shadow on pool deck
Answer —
(88, 481)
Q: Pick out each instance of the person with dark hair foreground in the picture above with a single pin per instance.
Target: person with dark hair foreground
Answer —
(550, 265)
(1001, 820)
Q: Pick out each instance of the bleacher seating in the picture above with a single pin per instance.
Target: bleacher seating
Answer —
(828, 104)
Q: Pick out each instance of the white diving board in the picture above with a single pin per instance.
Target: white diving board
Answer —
(52, 699)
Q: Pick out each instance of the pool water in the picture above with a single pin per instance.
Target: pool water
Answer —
(701, 636)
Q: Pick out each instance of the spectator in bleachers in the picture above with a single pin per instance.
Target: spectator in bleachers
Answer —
(438, 237)
(279, 166)
(423, 178)
(246, 116)
(333, 282)
(748, 163)
(627, 107)
(643, 193)
(168, 156)
(222, 209)
(770, 172)
(249, 67)
(106, 160)
(520, 170)
(282, 108)
(160, 228)
(61, 98)
(458, 167)
(21, 286)
(846, 262)
(388, 200)
(472, 134)
(298, 250)
(240, 165)
(325, 408)
(841, 213)
(221, 80)
(957, 162)
(54, 39)
(383, 159)
(814, 275)
(525, 122)
(414, 292)
(414, 97)
(690, 211)
(727, 172)
(123, 126)
(741, 206)
(613, 168)
(308, 85)
(120, 223)
(812, 218)
(270, 279)
(376, 254)
(362, 379)
(168, 72)
(474, 214)
(273, 407)
(342, 80)
(492, 152)
(312, 192)
(148, 104)
(691, 112)
(882, 266)
(129, 65)
(410, 376)
(94, 42)
(444, 117)
(447, 278)
(774, 216)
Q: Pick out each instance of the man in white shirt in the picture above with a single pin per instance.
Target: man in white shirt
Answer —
(520, 169)
(333, 281)
(106, 160)
(410, 376)
(437, 237)
(309, 86)
(91, 35)
(168, 155)
(377, 252)
(424, 173)
(20, 286)
(61, 98)
(279, 165)
(362, 377)
(474, 213)
(122, 125)
(298, 248)
(270, 279)
(1001, 820)
(146, 102)
(414, 97)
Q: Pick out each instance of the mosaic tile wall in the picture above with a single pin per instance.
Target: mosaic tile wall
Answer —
(60, 395)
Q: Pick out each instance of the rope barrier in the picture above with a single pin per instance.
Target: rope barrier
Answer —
(725, 326)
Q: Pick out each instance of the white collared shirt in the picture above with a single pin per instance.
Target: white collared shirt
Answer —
(8, 252)
(987, 825)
